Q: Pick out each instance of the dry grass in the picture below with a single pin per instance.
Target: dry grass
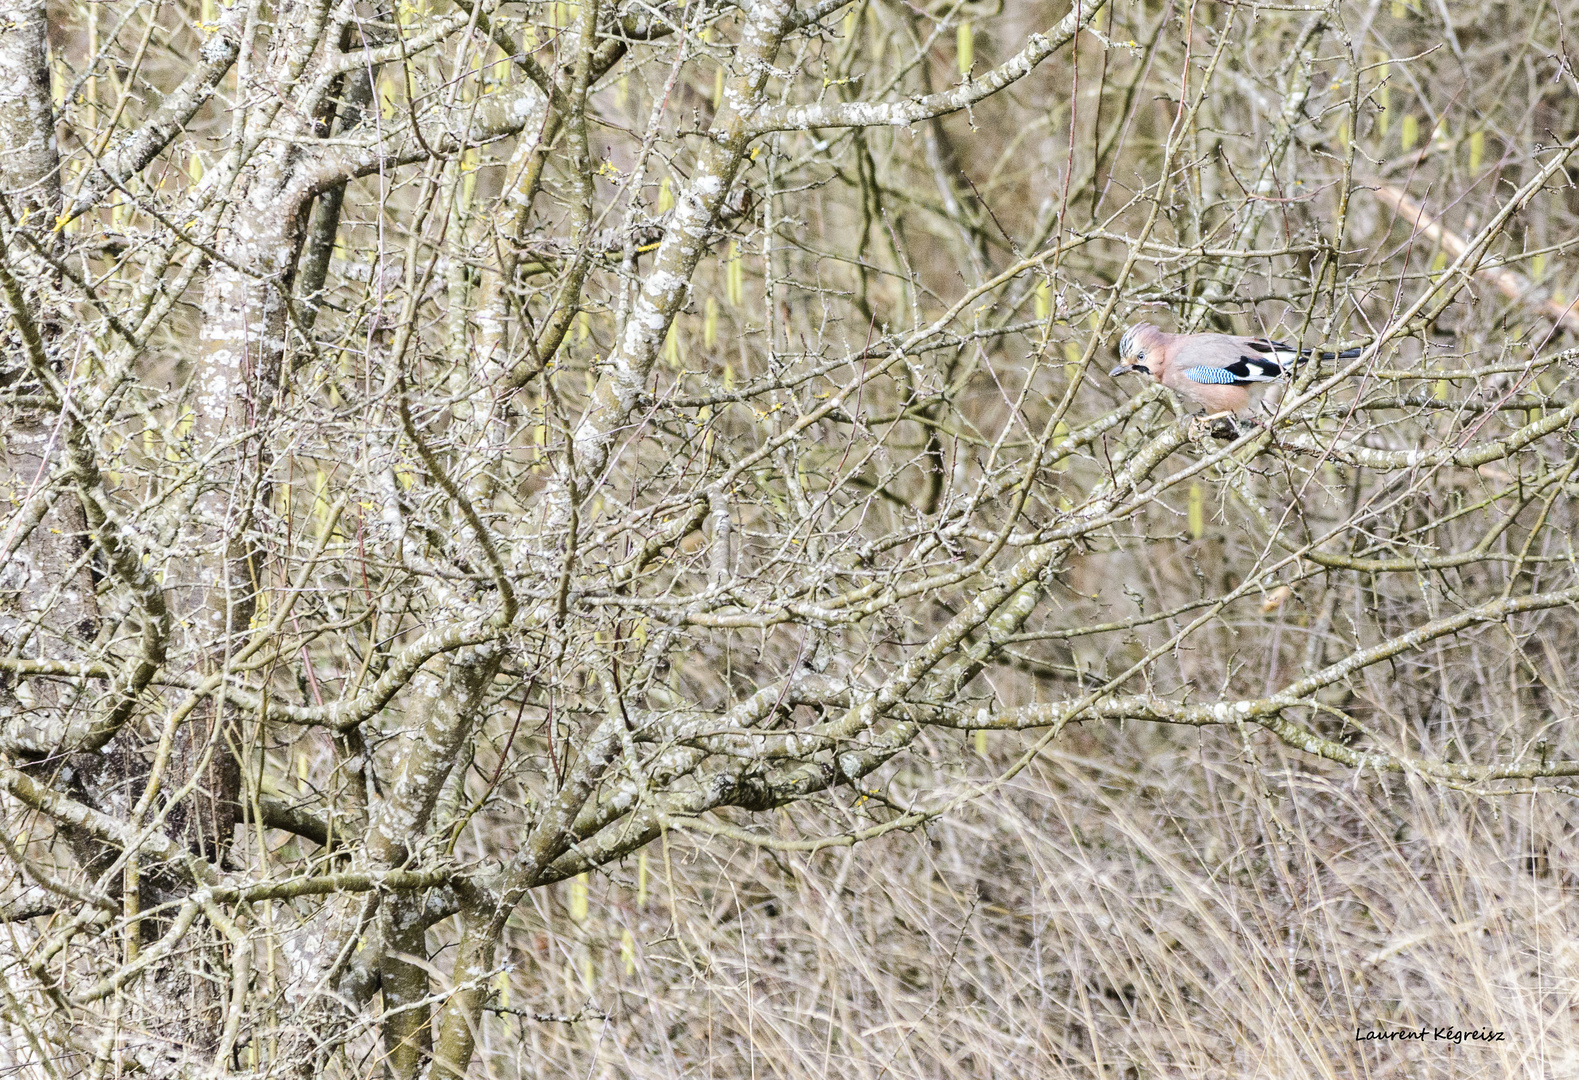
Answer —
(1139, 903)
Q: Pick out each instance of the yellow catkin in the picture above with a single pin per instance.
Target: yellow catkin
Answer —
(1384, 97)
(578, 898)
(469, 165)
(718, 89)
(118, 445)
(641, 879)
(1477, 149)
(628, 952)
(710, 322)
(734, 276)
(583, 326)
(965, 46)
(1044, 300)
(1409, 132)
(665, 196)
(1197, 511)
(501, 983)
(671, 346)
(69, 172)
(1072, 354)
(321, 501)
(981, 743)
(386, 96)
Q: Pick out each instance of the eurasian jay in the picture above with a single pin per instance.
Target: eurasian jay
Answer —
(1211, 371)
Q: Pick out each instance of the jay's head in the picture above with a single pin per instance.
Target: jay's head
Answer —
(1139, 350)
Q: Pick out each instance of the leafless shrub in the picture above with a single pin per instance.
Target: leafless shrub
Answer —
(595, 539)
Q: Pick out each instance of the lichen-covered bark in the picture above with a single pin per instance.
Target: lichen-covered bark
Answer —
(27, 116)
(47, 606)
(915, 109)
(688, 237)
(442, 720)
(133, 152)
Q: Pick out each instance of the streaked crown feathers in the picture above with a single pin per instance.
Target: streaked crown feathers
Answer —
(1131, 343)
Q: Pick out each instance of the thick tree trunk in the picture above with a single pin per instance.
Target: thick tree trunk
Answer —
(47, 604)
(242, 347)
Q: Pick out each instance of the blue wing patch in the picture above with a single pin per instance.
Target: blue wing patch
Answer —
(1245, 370)
(1209, 375)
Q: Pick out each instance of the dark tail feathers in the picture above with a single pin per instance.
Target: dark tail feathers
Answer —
(1269, 347)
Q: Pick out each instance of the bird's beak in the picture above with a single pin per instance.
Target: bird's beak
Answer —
(1122, 369)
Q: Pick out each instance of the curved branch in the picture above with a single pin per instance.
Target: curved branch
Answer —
(913, 110)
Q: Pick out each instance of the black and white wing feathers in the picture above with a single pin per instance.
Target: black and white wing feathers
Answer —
(1242, 372)
(1282, 352)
